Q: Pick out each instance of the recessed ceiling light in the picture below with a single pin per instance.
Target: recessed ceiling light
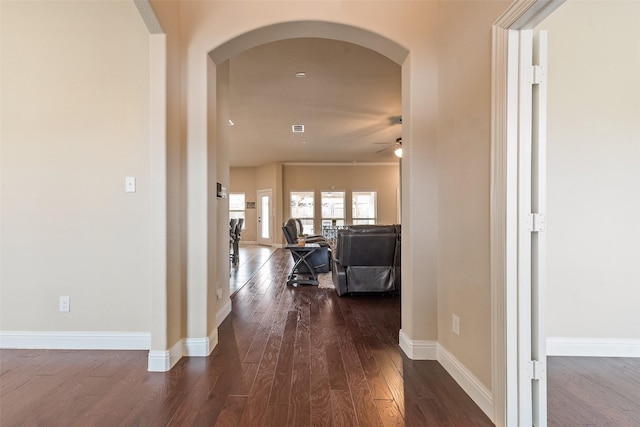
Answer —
(303, 142)
(301, 74)
(231, 123)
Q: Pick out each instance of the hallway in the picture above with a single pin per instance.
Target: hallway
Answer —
(286, 356)
(291, 356)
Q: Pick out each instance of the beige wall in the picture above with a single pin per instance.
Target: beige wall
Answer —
(75, 122)
(173, 317)
(385, 179)
(594, 171)
(464, 146)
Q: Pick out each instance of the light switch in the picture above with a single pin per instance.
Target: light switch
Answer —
(130, 184)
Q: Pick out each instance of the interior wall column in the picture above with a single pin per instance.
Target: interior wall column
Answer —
(219, 141)
(196, 341)
(158, 111)
(418, 335)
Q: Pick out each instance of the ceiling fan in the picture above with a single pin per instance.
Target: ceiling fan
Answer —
(397, 147)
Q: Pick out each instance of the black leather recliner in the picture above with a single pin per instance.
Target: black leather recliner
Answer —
(319, 260)
(295, 225)
(367, 259)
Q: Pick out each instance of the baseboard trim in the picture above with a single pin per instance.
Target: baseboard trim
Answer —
(418, 349)
(469, 382)
(224, 312)
(200, 347)
(593, 347)
(196, 347)
(164, 360)
(432, 350)
(75, 340)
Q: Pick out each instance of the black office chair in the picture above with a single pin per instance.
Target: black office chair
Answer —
(238, 237)
(233, 231)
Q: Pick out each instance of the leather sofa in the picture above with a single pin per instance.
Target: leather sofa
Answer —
(367, 259)
(319, 260)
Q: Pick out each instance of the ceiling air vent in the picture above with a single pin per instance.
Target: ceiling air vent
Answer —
(297, 128)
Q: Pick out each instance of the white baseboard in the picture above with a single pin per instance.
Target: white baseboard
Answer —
(224, 312)
(75, 340)
(158, 360)
(465, 379)
(200, 347)
(432, 350)
(593, 347)
(196, 347)
(417, 349)
(164, 360)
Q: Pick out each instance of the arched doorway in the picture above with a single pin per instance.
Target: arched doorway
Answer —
(197, 41)
(218, 75)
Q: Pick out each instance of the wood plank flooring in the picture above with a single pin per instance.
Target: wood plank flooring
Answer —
(251, 258)
(286, 357)
(593, 391)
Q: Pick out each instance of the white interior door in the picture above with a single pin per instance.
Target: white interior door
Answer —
(532, 383)
(265, 236)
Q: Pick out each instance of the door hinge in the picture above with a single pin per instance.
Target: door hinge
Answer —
(536, 370)
(538, 74)
(535, 222)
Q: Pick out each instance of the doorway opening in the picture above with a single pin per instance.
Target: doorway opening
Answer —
(269, 209)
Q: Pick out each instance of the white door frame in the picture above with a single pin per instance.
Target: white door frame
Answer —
(505, 223)
(261, 215)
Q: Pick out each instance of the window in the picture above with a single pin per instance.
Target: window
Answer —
(236, 207)
(302, 205)
(363, 204)
(333, 208)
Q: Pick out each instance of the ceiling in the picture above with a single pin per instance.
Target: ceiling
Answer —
(349, 103)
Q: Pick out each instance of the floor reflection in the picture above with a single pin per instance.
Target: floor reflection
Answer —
(252, 257)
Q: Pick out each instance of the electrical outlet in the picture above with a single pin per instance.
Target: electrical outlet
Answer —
(455, 325)
(130, 184)
(64, 304)
(219, 293)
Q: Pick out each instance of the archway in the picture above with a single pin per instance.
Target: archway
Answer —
(319, 29)
(188, 327)
(217, 110)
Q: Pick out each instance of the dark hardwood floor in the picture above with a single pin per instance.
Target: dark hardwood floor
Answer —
(286, 357)
(593, 391)
(251, 258)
